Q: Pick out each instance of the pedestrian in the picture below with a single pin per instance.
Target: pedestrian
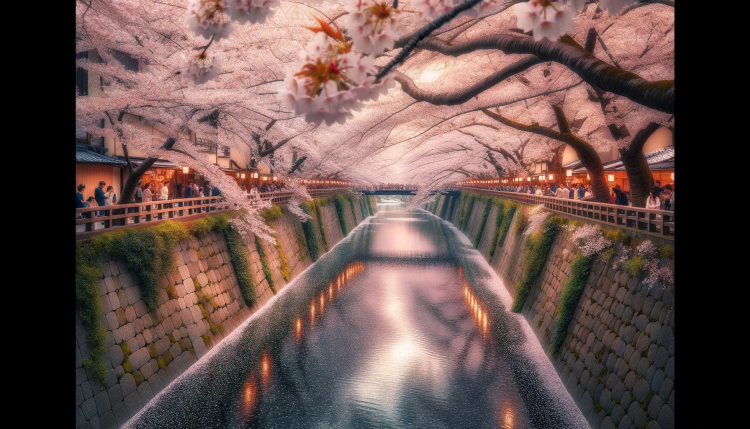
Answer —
(164, 192)
(189, 189)
(195, 193)
(110, 198)
(621, 199)
(147, 194)
(666, 197)
(553, 188)
(99, 196)
(89, 203)
(653, 202)
(207, 189)
(139, 192)
(571, 193)
(561, 192)
(79, 197)
(581, 192)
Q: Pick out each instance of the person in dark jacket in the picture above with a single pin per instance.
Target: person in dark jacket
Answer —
(620, 198)
(79, 197)
(189, 189)
(572, 195)
(581, 192)
(99, 196)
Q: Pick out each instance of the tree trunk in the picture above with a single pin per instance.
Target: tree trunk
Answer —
(588, 157)
(636, 166)
(128, 189)
(556, 164)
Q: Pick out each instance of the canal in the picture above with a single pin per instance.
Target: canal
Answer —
(396, 327)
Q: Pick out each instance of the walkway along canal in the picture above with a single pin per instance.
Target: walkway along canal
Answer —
(366, 338)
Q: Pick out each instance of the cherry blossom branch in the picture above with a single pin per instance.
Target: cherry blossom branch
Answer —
(657, 95)
(465, 94)
(422, 34)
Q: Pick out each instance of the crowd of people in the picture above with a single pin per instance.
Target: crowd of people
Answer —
(660, 198)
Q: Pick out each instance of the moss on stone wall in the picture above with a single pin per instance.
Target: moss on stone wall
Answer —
(510, 213)
(501, 205)
(264, 263)
(340, 202)
(487, 206)
(535, 254)
(571, 293)
(272, 213)
(463, 217)
(238, 254)
(286, 271)
(309, 227)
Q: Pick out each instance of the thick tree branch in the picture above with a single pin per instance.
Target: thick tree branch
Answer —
(657, 95)
(465, 94)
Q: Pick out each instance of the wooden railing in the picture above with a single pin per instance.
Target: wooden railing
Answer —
(122, 215)
(658, 223)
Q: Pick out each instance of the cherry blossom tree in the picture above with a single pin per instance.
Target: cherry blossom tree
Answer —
(426, 92)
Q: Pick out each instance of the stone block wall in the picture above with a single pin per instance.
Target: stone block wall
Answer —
(164, 342)
(617, 361)
(331, 225)
(161, 343)
(489, 234)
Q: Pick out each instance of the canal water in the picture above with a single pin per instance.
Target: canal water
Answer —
(387, 330)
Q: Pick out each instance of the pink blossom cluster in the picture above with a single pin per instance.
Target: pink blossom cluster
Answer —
(537, 216)
(547, 18)
(213, 18)
(590, 240)
(333, 82)
(372, 25)
(199, 68)
(650, 254)
(431, 9)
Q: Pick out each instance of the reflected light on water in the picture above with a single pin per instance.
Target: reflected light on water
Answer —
(507, 417)
(265, 368)
(477, 310)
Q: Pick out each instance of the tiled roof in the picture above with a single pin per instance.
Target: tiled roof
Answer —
(86, 156)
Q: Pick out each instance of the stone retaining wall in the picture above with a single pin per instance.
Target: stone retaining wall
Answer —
(164, 342)
(617, 361)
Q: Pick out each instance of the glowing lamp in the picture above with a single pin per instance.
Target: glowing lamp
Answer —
(238, 174)
(274, 177)
(588, 177)
(528, 179)
(242, 176)
(264, 178)
(551, 176)
(185, 170)
(611, 177)
(541, 177)
(672, 176)
(569, 173)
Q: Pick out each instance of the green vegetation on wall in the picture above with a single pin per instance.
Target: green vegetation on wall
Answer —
(272, 213)
(465, 214)
(340, 202)
(571, 293)
(501, 207)
(148, 252)
(318, 204)
(487, 206)
(286, 271)
(264, 263)
(502, 232)
(535, 254)
(351, 199)
(238, 254)
(309, 228)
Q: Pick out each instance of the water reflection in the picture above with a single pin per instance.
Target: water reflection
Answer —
(386, 344)
(364, 342)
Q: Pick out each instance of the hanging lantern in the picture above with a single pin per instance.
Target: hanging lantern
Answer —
(569, 173)
(185, 170)
(611, 177)
(242, 176)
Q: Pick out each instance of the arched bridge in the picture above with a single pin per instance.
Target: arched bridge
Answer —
(398, 190)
